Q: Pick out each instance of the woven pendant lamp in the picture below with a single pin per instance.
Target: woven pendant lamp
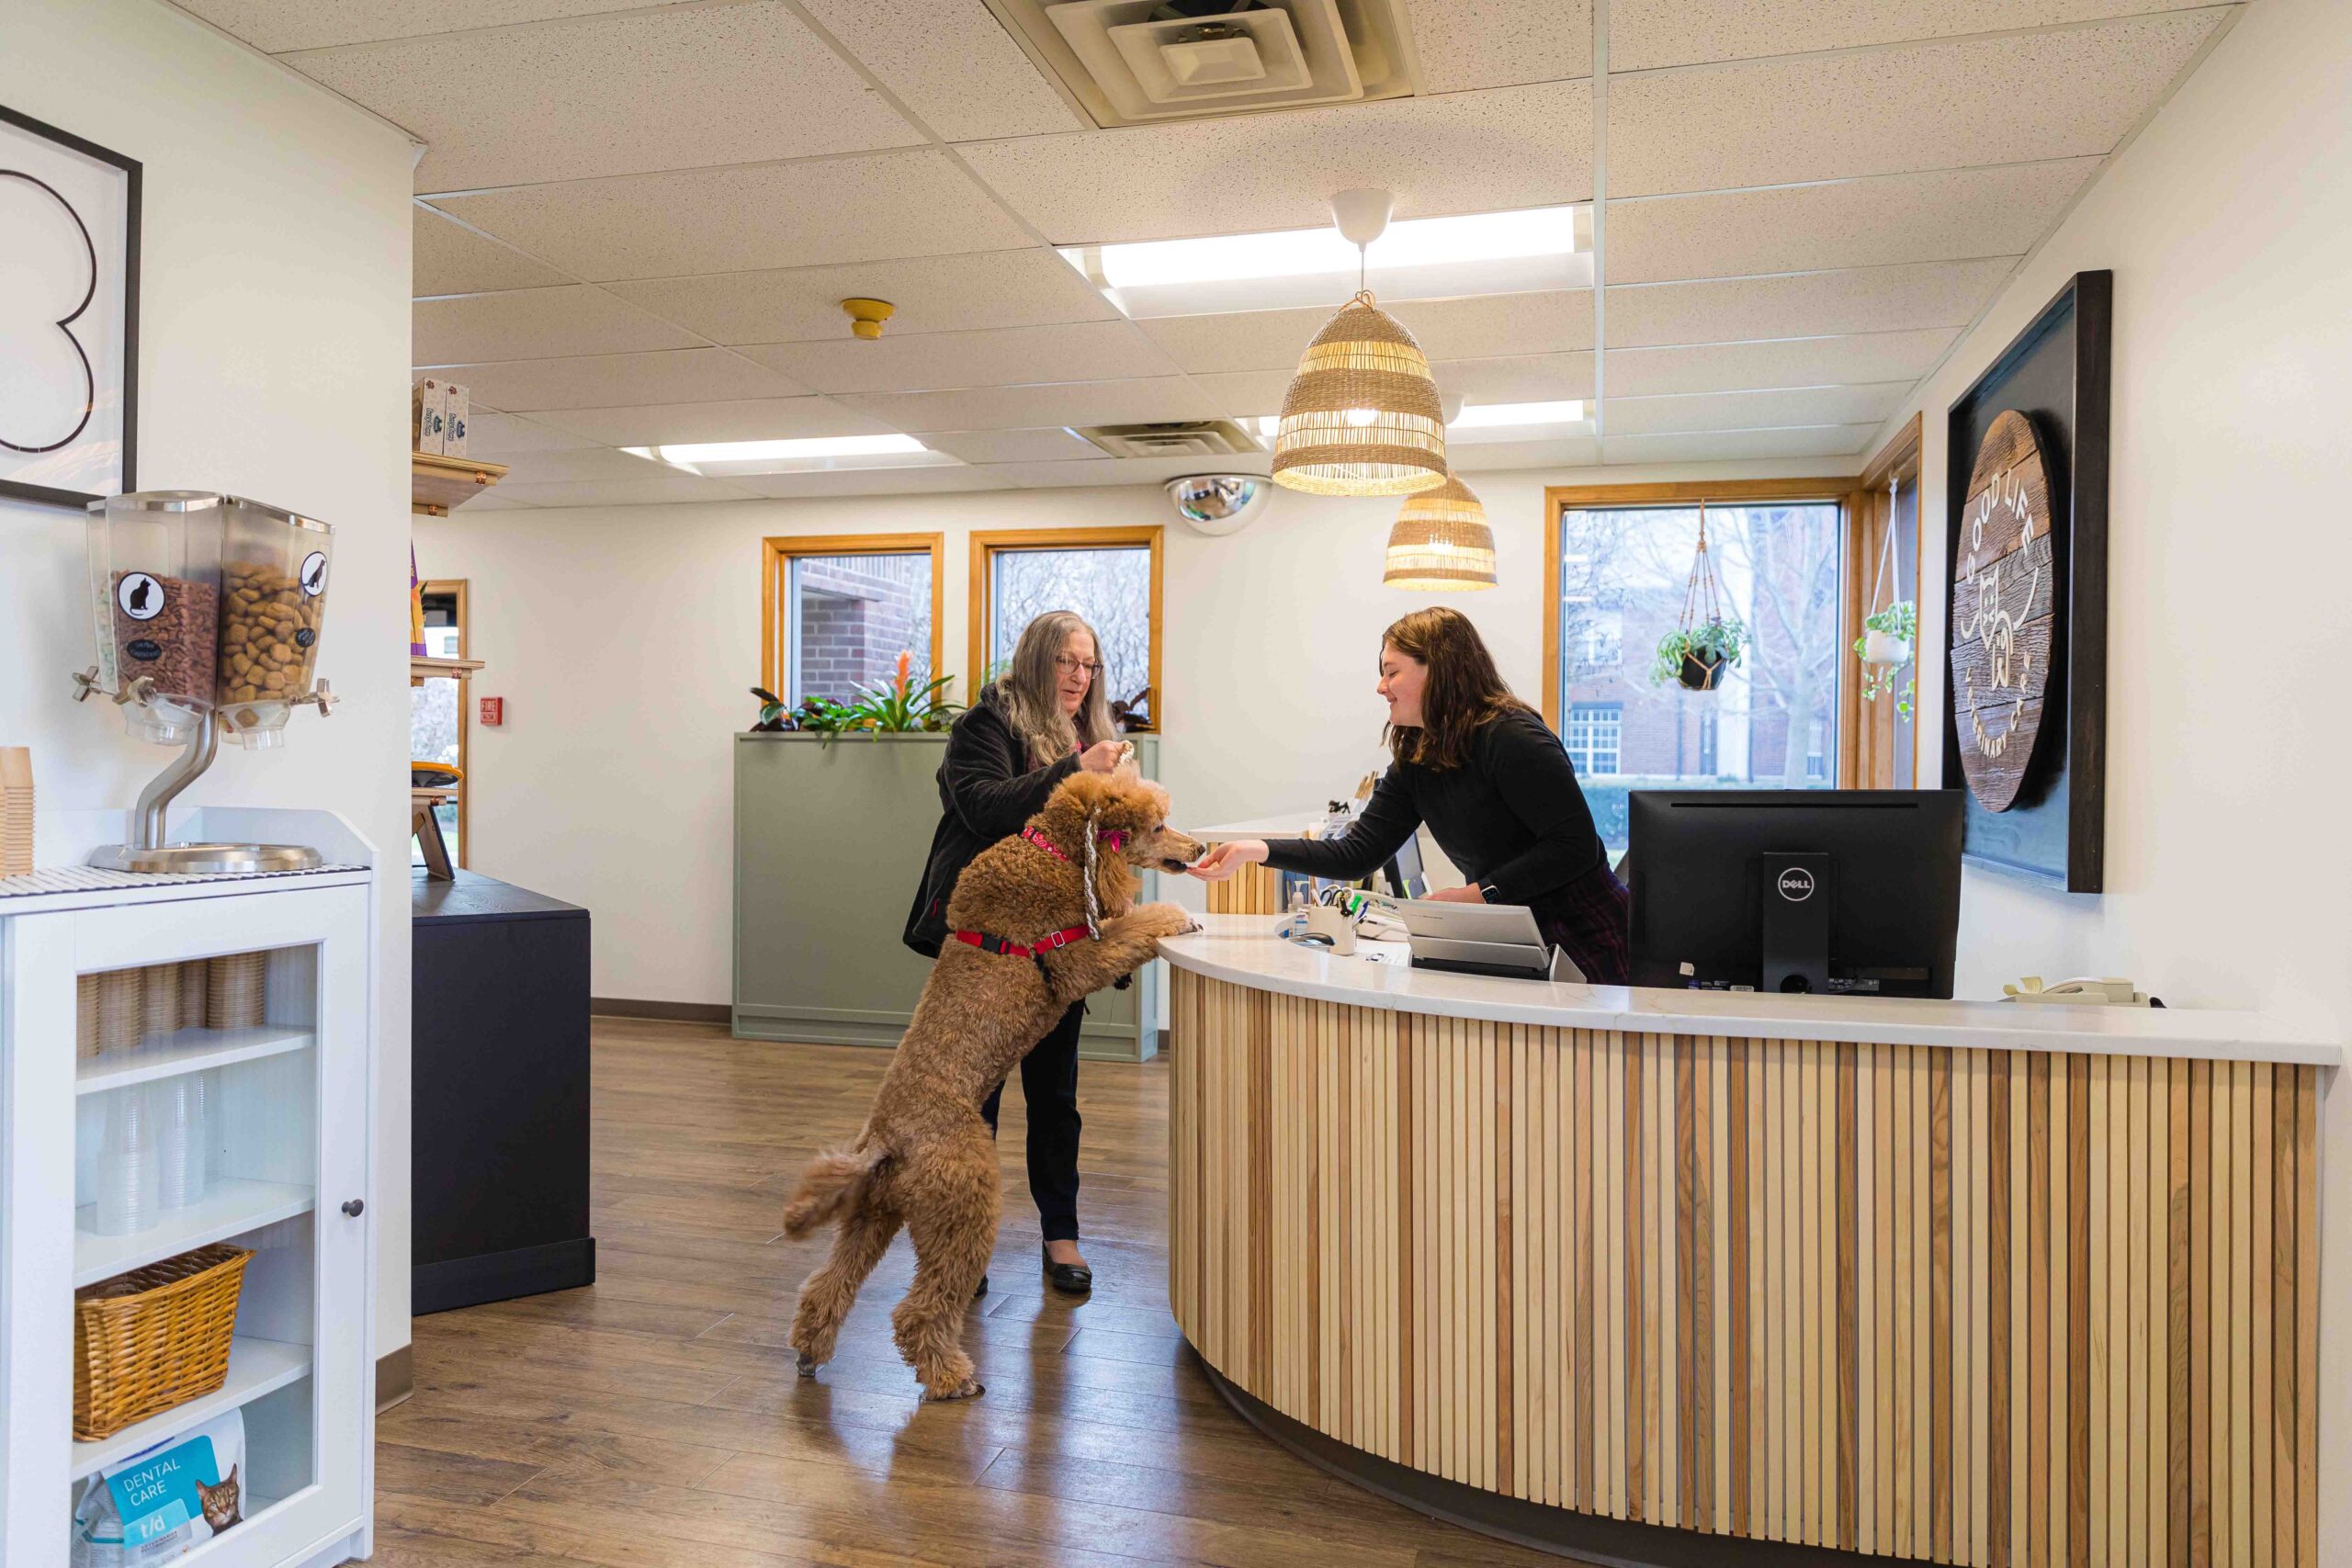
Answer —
(1442, 543)
(1361, 415)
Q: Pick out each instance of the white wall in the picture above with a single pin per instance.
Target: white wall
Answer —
(2227, 224)
(273, 363)
(624, 640)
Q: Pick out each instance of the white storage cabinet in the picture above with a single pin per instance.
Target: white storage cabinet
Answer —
(290, 1153)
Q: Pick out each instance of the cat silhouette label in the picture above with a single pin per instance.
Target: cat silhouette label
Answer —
(141, 596)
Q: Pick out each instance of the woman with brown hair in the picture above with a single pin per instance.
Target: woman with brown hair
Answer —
(1494, 785)
(1041, 721)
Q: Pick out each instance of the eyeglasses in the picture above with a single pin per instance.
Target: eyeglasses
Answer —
(1064, 663)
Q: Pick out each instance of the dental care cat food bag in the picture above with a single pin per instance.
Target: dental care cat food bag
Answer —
(158, 1504)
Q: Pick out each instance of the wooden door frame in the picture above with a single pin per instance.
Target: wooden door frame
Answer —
(1561, 498)
(985, 547)
(775, 558)
(457, 586)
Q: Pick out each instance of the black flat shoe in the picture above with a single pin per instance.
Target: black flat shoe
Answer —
(1070, 1279)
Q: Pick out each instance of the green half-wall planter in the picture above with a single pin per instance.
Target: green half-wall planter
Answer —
(830, 842)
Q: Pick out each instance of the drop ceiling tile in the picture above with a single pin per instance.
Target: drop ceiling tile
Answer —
(656, 89)
(933, 294)
(535, 323)
(1804, 304)
(1551, 322)
(452, 259)
(613, 381)
(2001, 100)
(276, 26)
(499, 437)
(952, 63)
(586, 462)
(1751, 410)
(657, 491)
(1465, 44)
(1957, 215)
(1021, 408)
(1518, 378)
(1126, 470)
(873, 482)
(1734, 445)
(1646, 34)
(1785, 362)
(1048, 445)
(829, 211)
(1461, 152)
(1246, 394)
(748, 419)
(1494, 457)
(1083, 351)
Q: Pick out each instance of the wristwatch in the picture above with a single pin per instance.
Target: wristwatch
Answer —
(1487, 891)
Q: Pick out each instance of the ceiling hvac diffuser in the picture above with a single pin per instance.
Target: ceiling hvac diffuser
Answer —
(1131, 61)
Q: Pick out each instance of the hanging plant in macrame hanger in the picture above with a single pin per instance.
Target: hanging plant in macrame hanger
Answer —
(1706, 643)
(1890, 632)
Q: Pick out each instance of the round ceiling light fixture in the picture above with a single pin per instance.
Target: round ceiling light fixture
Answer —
(1442, 543)
(1362, 416)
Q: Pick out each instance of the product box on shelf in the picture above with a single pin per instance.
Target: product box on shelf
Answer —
(428, 415)
(457, 405)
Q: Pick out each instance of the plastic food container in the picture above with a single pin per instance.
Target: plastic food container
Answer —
(156, 589)
(272, 604)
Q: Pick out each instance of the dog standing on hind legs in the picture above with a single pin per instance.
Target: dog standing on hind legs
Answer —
(1036, 922)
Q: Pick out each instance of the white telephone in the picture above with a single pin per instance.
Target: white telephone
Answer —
(2083, 992)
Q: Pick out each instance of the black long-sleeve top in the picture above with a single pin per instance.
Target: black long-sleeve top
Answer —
(987, 791)
(1510, 815)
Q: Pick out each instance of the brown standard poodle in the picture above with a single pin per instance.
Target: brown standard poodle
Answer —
(1027, 940)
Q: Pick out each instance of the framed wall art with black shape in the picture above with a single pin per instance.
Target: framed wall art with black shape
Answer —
(69, 315)
(2025, 722)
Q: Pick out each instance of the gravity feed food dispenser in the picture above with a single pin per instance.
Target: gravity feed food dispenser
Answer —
(207, 612)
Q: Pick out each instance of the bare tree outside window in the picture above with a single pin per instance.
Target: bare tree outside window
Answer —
(1109, 586)
(1773, 722)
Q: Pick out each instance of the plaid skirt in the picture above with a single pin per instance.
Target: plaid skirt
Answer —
(1590, 919)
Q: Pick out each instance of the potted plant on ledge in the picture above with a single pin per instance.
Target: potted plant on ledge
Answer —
(1696, 657)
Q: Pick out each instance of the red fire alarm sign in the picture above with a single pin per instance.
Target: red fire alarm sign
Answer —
(493, 711)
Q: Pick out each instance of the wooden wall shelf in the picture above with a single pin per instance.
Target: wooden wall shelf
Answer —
(437, 484)
(422, 669)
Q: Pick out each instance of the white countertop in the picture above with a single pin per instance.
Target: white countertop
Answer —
(1243, 950)
(1289, 826)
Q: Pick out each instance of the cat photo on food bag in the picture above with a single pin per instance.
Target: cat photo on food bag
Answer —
(162, 1501)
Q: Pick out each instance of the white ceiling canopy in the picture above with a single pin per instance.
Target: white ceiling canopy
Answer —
(1748, 237)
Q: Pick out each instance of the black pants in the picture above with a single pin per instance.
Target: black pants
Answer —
(1049, 1089)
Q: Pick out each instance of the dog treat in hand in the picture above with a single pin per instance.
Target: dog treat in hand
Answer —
(162, 629)
(269, 631)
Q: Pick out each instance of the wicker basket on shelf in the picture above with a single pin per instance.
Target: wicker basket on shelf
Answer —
(153, 1339)
(235, 991)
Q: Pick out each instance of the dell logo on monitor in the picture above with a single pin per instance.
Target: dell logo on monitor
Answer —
(1796, 884)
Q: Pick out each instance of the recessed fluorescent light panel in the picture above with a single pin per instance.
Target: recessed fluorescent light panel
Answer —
(1492, 422)
(1420, 258)
(717, 459)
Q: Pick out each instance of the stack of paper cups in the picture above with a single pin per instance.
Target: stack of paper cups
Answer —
(127, 1174)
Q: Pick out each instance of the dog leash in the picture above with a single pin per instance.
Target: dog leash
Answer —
(1116, 839)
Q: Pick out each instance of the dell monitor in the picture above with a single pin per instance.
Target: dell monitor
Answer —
(1853, 892)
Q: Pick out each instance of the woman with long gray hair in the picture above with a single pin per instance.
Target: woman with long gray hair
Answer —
(1042, 720)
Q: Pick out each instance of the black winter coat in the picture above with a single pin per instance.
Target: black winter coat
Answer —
(986, 792)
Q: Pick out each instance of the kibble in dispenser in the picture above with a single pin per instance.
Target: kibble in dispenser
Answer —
(156, 586)
(272, 600)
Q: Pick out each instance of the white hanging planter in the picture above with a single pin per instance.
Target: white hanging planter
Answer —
(1885, 647)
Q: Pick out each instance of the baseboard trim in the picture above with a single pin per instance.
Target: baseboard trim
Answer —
(502, 1276)
(660, 1012)
(395, 1377)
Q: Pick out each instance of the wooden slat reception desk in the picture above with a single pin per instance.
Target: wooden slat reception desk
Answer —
(1625, 1272)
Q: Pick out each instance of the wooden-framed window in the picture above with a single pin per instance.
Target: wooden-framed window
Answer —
(1882, 553)
(1110, 576)
(836, 611)
(1621, 563)
(440, 711)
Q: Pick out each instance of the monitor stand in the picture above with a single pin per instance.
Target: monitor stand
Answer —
(1797, 892)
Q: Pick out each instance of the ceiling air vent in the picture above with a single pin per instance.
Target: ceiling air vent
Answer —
(1182, 438)
(1134, 62)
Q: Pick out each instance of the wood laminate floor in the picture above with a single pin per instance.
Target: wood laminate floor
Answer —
(654, 1420)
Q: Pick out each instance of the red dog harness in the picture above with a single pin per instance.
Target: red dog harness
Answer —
(1011, 949)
